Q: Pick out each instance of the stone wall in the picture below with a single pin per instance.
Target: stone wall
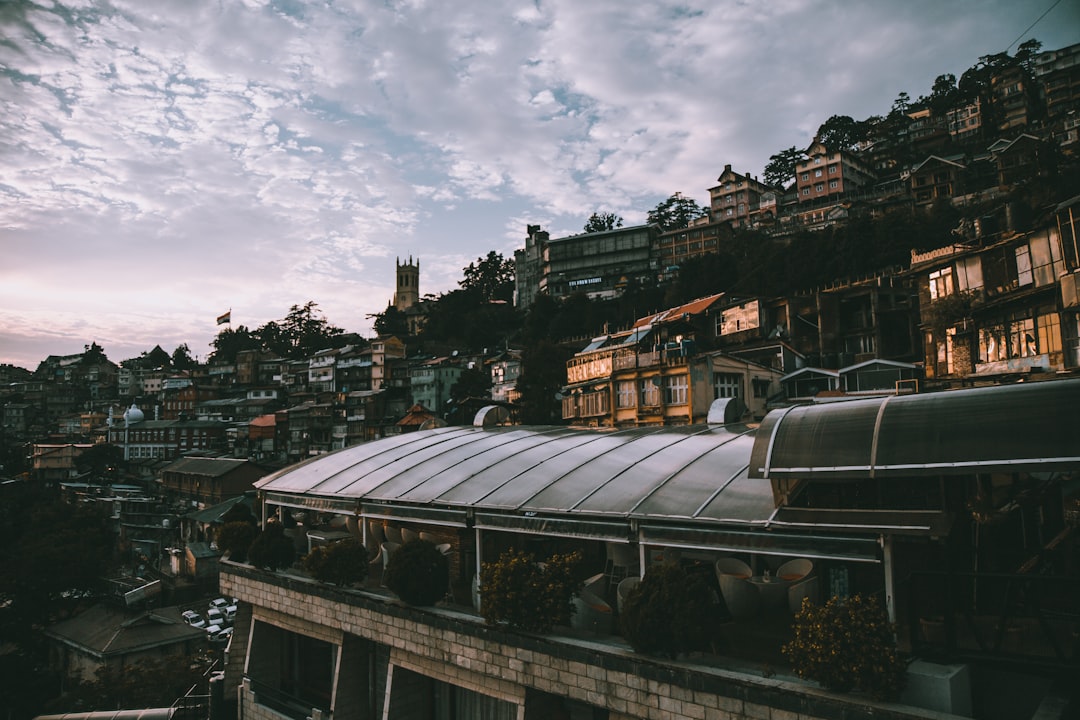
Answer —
(460, 649)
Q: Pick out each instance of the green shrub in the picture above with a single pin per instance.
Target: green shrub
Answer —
(670, 612)
(271, 549)
(340, 563)
(847, 644)
(235, 538)
(527, 595)
(418, 573)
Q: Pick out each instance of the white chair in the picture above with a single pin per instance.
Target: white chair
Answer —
(444, 548)
(590, 611)
(740, 595)
(408, 535)
(623, 590)
(388, 549)
(429, 537)
(375, 539)
(795, 570)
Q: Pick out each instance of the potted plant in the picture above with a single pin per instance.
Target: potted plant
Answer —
(418, 573)
(527, 595)
(340, 563)
(847, 644)
(670, 612)
(271, 549)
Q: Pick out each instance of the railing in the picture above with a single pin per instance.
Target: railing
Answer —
(283, 703)
(1022, 619)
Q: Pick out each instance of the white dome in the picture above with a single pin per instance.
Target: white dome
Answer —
(133, 415)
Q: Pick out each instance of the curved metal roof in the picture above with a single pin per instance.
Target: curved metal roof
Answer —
(1027, 426)
(696, 472)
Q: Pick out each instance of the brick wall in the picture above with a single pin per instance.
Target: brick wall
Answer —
(459, 649)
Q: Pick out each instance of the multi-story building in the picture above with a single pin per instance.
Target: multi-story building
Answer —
(1012, 100)
(1001, 308)
(701, 237)
(937, 178)
(657, 374)
(165, 439)
(827, 176)
(904, 517)
(736, 198)
(1058, 73)
(205, 481)
(370, 368)
(431, 382)
(505, 369)
(965, 122)
(55, 462)
(598, 265)
(181, 402)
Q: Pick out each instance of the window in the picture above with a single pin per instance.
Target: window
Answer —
(819, 187)
(833, 184)
(817, 173)
(675, 390)
(650, 392)
(832, 169)
(727, 385)
(806, 191)
(806, 176)
(1045, 258)
(761, 388)
(1048, 332)
(941, 283)
(969, 274)
(624, 394)
(817, 160)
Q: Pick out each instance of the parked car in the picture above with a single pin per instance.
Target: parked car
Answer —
(193, 618)
(212, 631)
(214, 616)
(230, 613)
(222, 636)
(219, 603)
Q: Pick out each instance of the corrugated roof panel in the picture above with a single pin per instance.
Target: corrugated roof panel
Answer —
(618, 472)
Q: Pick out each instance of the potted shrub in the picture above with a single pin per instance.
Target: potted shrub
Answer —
(670, 612)
(527, 595)
(340, 563)
(235, 538)
(271, 549)
(847, 644)
(418, 573)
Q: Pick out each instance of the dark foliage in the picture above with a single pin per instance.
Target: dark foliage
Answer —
(528, 595)
(670, 612)
(418, 573)
(272, 549)
(236, 538)
(341, 563)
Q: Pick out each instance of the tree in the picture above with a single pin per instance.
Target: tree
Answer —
(780, 170)
(230, 342)
(341, 563)
(390, 321)
(543, 373)
(303, 332)
(181, 358)
(156, 358)
(101, 460)
(944, 94)
(676, 212)
(599, 222)
(492, 277)
(840, 132)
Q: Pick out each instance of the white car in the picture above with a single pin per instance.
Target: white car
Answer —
(219, 603)
(212, 631)
(193, 619)
(230, 613)
(214, 616)
(222, 636)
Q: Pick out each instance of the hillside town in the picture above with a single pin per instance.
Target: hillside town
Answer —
(359, 437)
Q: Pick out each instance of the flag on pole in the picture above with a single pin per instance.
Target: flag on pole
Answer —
(225, 318)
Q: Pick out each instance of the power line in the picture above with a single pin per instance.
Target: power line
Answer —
(1058, 2)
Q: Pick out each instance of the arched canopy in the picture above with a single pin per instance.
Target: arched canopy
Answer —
(1033, 426)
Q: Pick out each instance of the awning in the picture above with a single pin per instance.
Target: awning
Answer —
(831, 547)
(1031, 427)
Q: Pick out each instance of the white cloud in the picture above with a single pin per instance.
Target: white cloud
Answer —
(164, 162)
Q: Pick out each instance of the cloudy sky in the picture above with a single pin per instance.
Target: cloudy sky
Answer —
(163, 161)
